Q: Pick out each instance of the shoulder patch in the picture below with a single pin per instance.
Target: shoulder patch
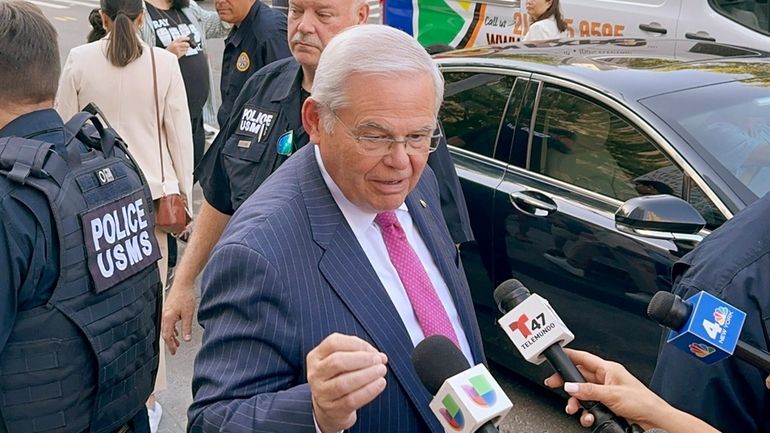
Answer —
(256, 122)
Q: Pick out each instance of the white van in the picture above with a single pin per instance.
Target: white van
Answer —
(481, 22)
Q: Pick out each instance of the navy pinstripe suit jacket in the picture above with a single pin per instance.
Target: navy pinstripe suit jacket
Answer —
(288, 272)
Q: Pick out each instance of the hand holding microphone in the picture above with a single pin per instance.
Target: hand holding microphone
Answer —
(611, 384)
(539, 334)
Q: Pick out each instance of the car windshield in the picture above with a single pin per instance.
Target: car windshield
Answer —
(728, 124)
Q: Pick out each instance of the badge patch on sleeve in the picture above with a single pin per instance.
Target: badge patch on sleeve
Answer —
(120, 240)
(256, 122)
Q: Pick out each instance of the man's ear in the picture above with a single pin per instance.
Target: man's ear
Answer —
(311, 120)
(363, 13)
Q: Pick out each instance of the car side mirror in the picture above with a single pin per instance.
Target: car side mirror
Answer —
(660, 216)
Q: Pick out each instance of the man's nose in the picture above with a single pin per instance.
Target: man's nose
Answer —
(397, 156)
(306, 23)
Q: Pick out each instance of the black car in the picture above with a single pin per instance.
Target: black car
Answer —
(591, 166)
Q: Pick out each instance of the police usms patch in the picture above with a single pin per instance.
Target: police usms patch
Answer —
(120, 240)
(256, 122)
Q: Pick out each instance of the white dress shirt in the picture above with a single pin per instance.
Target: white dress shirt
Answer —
(369, 237)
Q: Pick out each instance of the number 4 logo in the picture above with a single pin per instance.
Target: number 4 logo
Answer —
(712, 329)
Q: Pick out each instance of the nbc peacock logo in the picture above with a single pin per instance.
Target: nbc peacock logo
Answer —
(701, 350)
(452, 413)
(480, 391)
(720, 315)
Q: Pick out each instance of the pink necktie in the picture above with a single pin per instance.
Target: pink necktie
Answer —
(431, 315)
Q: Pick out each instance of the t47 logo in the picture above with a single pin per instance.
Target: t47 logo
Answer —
(521, 324)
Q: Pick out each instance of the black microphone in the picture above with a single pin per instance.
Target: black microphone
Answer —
(539, 334)
(706, 327)
(465, 399)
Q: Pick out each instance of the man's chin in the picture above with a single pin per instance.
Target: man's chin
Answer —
(306, 58)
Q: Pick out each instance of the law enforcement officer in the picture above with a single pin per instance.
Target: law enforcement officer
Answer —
(258, 37)
(265, 127)
(732, 263)
(79, 284)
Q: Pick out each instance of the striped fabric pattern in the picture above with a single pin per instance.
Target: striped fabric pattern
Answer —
(287, 273)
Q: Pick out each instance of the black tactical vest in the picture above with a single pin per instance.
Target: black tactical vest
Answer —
(86, 360)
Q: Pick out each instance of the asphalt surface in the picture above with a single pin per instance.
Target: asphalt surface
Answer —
(534, 409)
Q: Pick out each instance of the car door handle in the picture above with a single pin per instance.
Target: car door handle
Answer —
(700, 36)
(653, 28)
(533, 203)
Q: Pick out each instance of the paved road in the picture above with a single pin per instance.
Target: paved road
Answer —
(535, 411)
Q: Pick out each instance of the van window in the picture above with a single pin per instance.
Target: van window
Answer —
(753, 14)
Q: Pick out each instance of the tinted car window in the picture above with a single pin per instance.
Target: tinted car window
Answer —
(473, 106)
(753, 14)
(587, 145)
(729, 122)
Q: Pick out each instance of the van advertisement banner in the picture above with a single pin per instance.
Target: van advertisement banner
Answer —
(465, 24)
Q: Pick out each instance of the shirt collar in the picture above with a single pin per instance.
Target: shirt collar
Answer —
(241, 32)
(38, 125)
(358, 219)
(32, 124)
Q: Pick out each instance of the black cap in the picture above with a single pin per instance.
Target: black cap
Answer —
(509, 294)
(436, 359)
(669, 310)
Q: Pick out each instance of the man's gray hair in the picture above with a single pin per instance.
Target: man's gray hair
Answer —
(368, 49)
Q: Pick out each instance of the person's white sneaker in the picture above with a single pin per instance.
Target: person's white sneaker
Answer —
(154, 414)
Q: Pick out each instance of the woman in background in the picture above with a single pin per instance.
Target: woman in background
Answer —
(183, 28)
(545, 20)
(116, 73)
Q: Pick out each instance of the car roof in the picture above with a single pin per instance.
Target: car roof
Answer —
(629, 68)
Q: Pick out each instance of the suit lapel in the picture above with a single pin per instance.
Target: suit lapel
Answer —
(430, 223)
(348, 271)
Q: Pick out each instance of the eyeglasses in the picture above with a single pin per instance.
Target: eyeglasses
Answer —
(375, 145)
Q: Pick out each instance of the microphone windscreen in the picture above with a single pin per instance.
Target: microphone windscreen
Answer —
(509, 294)
(436, 359)
(668, 310)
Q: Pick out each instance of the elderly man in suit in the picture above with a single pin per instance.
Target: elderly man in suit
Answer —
(340, 263)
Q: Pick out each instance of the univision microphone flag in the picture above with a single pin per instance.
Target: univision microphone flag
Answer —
(469, 399)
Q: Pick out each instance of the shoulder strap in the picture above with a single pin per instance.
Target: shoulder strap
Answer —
(157, 118)
(74, 128)
(22, 157)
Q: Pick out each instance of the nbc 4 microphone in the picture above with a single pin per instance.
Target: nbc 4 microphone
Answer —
(539, 334)
(705, 327)
(466, 399)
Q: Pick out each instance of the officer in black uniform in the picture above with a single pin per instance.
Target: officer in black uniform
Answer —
(732, 263)
(79, 284)
(263, 129)
(257, 39)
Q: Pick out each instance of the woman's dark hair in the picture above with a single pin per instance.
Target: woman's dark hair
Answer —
(124, 46)
(555, 11)
(97, 29)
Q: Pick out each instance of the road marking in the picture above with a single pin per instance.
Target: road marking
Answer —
(48, 5)
(65, 18)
